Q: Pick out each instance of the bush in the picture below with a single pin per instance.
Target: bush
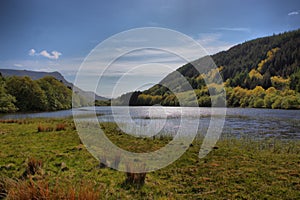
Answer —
(132, 178)
(24, 189)
(60, 127)
(42, 128)
(33, 167)
(259, 103)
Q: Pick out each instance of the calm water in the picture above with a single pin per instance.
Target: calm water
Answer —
(239, 121)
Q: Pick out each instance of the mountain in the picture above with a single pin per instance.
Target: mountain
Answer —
(264, 72)
(35, 75)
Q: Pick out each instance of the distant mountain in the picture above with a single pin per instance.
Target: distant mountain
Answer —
(264, 72)
(34, 75)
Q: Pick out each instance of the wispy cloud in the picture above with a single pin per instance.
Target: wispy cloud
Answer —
(18, 65)
(239, 29)
(53, 55)
(213, 43)
(293, 13)
(146, 65)
(35, 65)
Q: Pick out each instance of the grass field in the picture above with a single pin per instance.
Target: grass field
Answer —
(44, 158)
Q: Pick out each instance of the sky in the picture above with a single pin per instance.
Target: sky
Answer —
(58, 35)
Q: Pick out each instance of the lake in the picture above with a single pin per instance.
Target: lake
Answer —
(258, 123)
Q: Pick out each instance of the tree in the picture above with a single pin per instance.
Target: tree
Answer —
(7, 101)
(270, 98)
(58, 95)
(295, 81)
(280, 83)
(29, 96)
(290, 102)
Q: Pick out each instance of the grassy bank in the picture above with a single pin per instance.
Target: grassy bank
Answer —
(46, 158)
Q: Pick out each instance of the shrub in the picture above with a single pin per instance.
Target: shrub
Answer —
(258, 103)
(42, 128)
(24, 189)
(132, 178)
(33, 167)
(9, 121)
(60, 127)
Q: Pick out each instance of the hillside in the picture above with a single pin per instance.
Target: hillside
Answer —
(35, 75)
(21, 93)
(22, 90)
(262, 73)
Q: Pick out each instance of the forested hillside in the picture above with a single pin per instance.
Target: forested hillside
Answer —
(262, 73)
(45, 94)
(34, 75)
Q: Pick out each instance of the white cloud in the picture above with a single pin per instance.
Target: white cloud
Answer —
(293, 13)
(45, 54)
(53, 55)
(31, 52)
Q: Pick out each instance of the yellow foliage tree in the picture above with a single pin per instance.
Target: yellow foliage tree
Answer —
(270, 56)
(255, 74)
(258, 91)
(280, 83)
(271, 90)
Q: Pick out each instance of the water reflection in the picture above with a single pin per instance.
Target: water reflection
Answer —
(166, 120)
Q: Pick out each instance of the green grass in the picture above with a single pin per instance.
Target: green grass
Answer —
(236, 169)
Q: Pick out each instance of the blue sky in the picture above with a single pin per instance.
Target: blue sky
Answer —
(57, 35)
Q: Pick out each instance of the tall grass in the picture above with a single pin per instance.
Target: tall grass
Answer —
(33, 167)
(42, 189)
(14, 121)
(42, 128)
(60, 127)
(133, 178)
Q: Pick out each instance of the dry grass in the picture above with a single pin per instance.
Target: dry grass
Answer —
(29, 189)
(14, 121)
(60, 127)
(133, 178)
(42, 128)
(33, 167)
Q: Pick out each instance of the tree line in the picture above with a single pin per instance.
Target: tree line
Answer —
(45, 94)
